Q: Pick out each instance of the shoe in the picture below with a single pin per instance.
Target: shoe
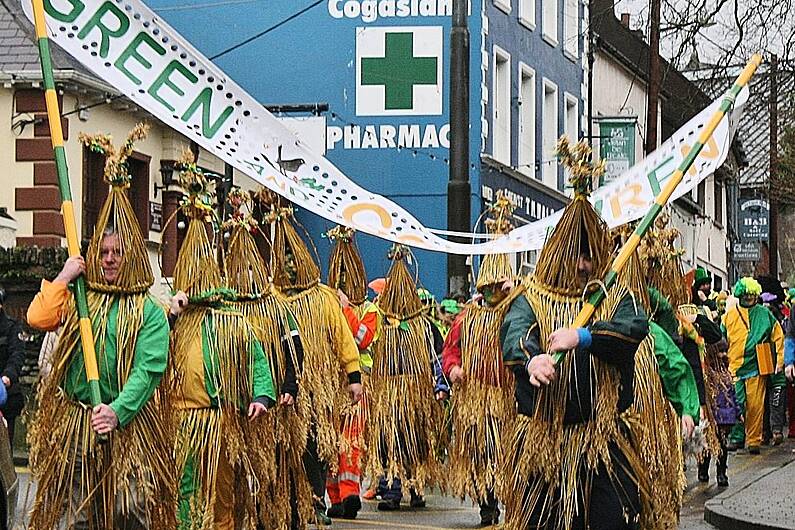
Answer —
(391, 505)
(734, 446)
(754, 450)
(778, 438)
(369, 495)
(335, 511)
(723, 480)
(351, 506)
(321, 519)
(417, 501)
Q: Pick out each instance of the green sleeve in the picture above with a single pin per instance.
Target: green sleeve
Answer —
(662, 312)
(519, 334)
(615, 341)
(149, 363)
(678, 381)
(261, 371)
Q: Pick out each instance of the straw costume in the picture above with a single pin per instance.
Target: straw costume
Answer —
(482, 403)
(275, 327)
(220, 371)
(402, 386)
(330, 353)
(126, 482)
(665, 390)
(570, 461)
(346, 273)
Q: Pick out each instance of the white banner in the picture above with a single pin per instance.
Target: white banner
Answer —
(132, 49)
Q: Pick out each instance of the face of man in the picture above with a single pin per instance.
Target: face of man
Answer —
(705, 288)
(111, 257)
(493, 294)
(584, 270)
(748, 300)
(290, 267)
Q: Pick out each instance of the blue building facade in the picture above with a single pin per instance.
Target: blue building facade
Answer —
(382, 66)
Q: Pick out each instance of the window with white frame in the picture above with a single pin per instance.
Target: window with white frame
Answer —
(570, 124)
(503, 5)
(571, 37)
(549, 134)
(527, 120)
(572, 118)
(527, 13)
(501, 102)
(549, 20)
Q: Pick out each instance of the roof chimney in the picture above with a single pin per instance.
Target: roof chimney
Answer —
(625, 20)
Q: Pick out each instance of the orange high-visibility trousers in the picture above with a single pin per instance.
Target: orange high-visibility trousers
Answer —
(348, 479)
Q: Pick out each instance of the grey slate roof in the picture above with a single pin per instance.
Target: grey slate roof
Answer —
(18, 51)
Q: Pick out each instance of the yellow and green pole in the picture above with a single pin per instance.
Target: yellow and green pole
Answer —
(67, 208)
(586, 313)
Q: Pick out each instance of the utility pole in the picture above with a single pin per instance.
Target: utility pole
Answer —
(771, 195)
(653, 98)
(458, 186)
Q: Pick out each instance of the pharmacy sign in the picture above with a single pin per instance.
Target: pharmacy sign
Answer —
(399, 71)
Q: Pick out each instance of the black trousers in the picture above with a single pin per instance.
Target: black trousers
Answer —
(316, 470)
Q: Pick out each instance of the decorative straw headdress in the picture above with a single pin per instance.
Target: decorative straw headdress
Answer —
(346, 267)
(580, 229)
(196, 271)
(117, 216)
(662, 262)
(246, 271)
(496, 268)
(287, 244)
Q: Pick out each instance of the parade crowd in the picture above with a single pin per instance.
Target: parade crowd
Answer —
(261, 398)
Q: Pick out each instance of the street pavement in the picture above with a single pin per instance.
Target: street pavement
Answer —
(759, 486)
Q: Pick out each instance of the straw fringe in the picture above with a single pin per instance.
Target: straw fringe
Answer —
(206, 437)
(196, 270)
(315, 311)
(482, 405)
(658, 440)
(536, 473)
(63, 447)
(402, 432)
(579, 227)
(346, 266)
(203, 433)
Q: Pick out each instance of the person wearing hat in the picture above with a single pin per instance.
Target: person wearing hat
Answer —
(702, 289)
(402, 386)
(347, 275)
(128, 481)
(756, 343)
(482, 405)
(222, 380)
(449, 309)
(570, 462)
(285, 426)
(331, 358)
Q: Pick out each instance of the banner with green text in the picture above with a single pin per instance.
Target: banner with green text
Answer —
(131, 48)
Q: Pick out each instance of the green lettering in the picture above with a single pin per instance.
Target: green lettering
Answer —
(132, 51)
(107, 33)
(311, 183)
(598, 206)
(77, 8)
(165, 79)
(654, 182)
(204, 99)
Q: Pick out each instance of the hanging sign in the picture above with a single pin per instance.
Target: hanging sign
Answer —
(754, 216)
(132, 49)
(616, 146)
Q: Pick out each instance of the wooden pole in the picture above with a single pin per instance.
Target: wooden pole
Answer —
(67, 208)
(586, 313)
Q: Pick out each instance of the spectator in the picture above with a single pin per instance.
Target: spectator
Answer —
(12, 355)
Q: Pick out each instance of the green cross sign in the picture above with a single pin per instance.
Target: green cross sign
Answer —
(399, 70)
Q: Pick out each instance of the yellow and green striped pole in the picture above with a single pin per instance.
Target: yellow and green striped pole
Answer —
(586, 313)
(67, 209)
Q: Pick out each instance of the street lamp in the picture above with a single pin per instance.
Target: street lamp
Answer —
(166, 176)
